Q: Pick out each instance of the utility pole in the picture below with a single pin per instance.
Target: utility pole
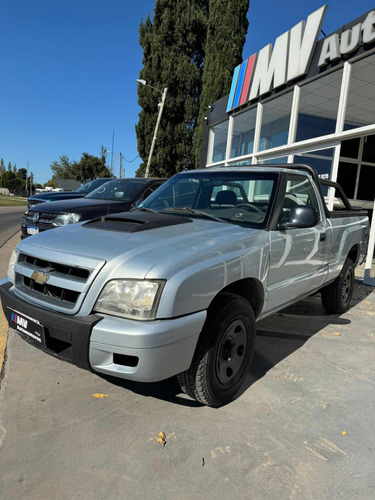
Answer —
(27, 174)
(119, 159)
(164, 95)
(112, 157)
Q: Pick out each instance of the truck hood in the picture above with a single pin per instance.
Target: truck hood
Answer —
(79, 205)
(134, 243)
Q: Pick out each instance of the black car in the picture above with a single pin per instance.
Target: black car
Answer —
(66, 195)
(116, 195)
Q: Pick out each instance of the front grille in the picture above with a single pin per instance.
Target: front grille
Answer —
(63, 269)
(44, 217)
(32, 203)
(53, 284)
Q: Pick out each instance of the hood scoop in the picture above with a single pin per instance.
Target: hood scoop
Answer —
(135, 222)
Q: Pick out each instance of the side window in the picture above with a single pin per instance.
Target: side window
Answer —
(299, 192)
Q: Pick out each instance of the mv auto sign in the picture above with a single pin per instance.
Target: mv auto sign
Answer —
(292, 54)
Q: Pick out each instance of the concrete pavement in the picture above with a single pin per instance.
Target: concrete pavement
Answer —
(302, 430)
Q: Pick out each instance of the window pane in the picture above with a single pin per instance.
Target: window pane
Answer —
(275, 122)
(318, 106)
(320, 160)
(369, 149)
(366, 183)
(349, 148)
(360, 109)
(346, 177)
(243, 133)
(219, 137)
(281, 159)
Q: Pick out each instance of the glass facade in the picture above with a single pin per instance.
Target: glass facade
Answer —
(310, 112)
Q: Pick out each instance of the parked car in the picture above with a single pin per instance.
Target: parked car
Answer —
(175, 287)
(116, 195)
(66, 195)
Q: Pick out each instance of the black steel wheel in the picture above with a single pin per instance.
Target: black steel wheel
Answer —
(224, 352)
(336, 297)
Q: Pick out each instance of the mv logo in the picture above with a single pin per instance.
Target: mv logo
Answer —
(19, 321)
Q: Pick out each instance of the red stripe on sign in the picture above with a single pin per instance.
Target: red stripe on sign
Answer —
(249, 74)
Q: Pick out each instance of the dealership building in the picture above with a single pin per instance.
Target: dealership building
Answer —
(304, 100)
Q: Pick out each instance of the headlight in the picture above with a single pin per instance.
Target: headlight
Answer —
(12, 262)
(62, 220)
(130, 298)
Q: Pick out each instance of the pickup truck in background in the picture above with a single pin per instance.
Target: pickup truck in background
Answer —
(175, 286)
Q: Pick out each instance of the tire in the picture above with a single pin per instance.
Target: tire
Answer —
(224, 352)
(336, 296)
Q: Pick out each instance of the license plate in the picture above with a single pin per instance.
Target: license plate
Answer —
(32, 230)
(27, 327)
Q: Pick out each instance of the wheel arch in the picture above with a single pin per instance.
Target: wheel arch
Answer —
(250, 289)
(354, 254)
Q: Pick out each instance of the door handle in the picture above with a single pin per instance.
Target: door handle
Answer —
(323, 236)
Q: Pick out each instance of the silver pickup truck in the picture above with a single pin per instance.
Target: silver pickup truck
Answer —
(175, 286)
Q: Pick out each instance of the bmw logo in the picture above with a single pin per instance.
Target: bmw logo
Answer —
(35, 217)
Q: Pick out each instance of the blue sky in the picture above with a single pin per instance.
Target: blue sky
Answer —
(69, 70)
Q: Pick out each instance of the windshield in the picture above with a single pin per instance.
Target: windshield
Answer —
(89, 186)
(242, 198)
(118, 190)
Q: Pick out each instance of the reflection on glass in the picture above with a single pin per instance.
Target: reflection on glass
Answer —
(318, 106)
(281, 159)
(275, 122)
(218, 134)
(243, 133)
(360, 109)
(320, 160)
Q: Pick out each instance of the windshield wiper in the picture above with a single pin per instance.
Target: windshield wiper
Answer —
(194, 212)
(144, 209)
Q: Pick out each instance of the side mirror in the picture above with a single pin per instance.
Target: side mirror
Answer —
(300, 217)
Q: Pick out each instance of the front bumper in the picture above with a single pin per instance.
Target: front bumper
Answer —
(39, 226)
(135, 350)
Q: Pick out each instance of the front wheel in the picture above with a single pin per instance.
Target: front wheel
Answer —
(336, 296)
(224, 352)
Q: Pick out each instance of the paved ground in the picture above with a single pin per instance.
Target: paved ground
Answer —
(303, 430)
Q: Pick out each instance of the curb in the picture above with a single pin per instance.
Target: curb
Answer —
(5, 253)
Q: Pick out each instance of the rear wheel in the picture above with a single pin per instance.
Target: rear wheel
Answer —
(223, 354)
(336, 296)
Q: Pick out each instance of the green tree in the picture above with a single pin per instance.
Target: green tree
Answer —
(90, 167)
(2, 166)
(62, 169)
(226, 32)
(9, 180)
(173, 55)
(9, 166)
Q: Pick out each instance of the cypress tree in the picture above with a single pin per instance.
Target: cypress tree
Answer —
(173, 54)
(226, 32)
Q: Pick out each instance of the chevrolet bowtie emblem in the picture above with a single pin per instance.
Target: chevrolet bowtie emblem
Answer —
(39, 277)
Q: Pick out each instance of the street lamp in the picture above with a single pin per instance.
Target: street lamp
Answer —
(161, 106)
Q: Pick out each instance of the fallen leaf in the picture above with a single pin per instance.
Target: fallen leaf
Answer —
(161, 439)
(343, 433)
(202, 462)
(337, 333)
(100, 396)
(367, 302)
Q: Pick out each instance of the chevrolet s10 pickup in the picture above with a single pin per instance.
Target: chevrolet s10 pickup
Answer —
(176, 286)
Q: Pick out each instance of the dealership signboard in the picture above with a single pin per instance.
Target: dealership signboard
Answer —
(292, 55)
